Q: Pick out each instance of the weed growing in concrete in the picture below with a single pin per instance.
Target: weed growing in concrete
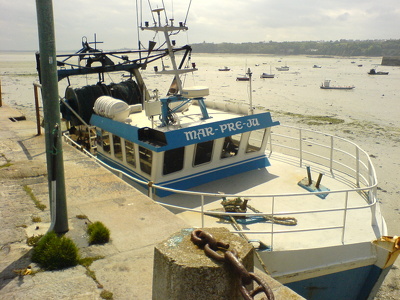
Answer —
(55, 253)
(8, 162)
(87, 261)
(81, 217)
(33, 240)
(106, 295)
(98, 233)
(36, 219)
(39, 205)
(91, 274)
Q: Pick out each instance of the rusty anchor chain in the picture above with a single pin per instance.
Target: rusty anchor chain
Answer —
(204, 239)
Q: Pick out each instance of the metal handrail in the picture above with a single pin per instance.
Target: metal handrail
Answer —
(361, 165)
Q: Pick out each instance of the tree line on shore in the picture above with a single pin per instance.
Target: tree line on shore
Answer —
(326, 48)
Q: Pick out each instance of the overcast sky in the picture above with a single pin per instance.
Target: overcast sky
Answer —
(215, 21)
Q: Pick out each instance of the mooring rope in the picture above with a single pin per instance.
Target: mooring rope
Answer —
(239, 228)
(290, 221)
(235, 206)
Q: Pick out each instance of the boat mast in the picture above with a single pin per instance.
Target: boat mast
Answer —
(251, 110)
(166, 30)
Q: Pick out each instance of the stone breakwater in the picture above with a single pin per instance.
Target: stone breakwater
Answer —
(391, 61)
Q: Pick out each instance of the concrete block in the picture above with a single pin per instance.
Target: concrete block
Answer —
(183, 271)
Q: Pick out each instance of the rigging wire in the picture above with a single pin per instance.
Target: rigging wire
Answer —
(110, 78)
(137, 25)
(165, 13)
(172, 5)
(187, 12)
(151, 9)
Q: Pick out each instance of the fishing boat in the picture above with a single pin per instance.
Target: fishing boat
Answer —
(374, 72)
(326, 85)
(227, 164)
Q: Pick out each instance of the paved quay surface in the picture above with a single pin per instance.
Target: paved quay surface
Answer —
(136, 223)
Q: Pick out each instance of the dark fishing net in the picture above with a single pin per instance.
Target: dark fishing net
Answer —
(82, 99)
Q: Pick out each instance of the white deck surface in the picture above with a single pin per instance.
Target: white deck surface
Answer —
(282, 177)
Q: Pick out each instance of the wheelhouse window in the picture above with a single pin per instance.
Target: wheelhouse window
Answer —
(146, 159)
(255, 140)
(231, 146)
(130, 153)
(173, 160)
(203, 152)
(117, 147)
(105, 141)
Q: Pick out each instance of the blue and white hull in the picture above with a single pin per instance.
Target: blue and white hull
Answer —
(342, 272)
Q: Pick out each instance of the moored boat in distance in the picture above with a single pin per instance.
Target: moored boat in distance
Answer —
(374, 72)
(327, 86)
(283, 68)
(227, 164)
(224, 69)
(242, 78)
(267, 75)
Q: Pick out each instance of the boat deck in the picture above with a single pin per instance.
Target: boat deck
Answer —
(321, 222)
(313, 229)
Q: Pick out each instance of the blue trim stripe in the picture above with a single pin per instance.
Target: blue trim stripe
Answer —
(196, 179)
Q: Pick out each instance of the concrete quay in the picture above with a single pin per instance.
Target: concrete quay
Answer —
(136, 223)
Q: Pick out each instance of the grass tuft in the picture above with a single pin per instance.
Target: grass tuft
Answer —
(55, 253)
(98, 233)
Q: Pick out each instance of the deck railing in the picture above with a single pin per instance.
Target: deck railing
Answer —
(344, 159)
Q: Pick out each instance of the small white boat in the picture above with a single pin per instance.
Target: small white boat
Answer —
(283, 68)
(267, 75)
(327, 86)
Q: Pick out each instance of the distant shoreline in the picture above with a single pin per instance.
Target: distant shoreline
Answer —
(339, 48)
(197, 52)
